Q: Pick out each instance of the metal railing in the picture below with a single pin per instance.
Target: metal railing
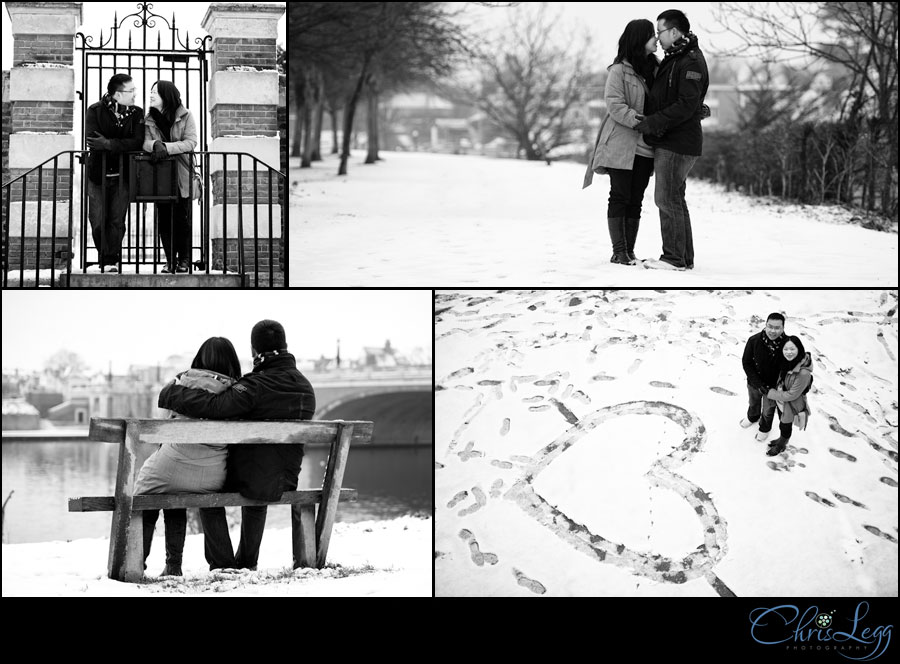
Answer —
(38, 248)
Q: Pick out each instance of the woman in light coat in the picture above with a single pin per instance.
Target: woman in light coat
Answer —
(620, 150)
(171, 130)
(794, 380)
(188, 468)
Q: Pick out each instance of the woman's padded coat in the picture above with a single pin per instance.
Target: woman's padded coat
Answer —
(184, 140)
(790, 393)
(617, 142)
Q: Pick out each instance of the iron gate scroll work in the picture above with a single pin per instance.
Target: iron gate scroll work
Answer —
(188, 69)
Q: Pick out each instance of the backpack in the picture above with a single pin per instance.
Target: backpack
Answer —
(809, 387)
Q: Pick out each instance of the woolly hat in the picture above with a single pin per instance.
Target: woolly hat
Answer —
(268, 335)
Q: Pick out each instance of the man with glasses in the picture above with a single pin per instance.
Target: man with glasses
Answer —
(672, 127)
(761, 360)
(113, 127)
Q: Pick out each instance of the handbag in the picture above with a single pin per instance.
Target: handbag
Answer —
(197, 188)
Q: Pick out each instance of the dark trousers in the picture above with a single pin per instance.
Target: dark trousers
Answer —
(674, 219)
(626, 189)
(755, 412)
(176, 526)
(217, 542)
(174, 221)
(107, 207)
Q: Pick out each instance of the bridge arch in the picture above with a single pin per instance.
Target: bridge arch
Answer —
(401, 417)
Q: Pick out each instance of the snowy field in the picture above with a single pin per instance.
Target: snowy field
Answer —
(587, 443)
(428, 219)
(372, 558)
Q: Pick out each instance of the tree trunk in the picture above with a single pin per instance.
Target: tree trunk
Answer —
(306, 159)
(334, 131)
(317, 134)
(298, 130)
(372, 121)
(349, 112)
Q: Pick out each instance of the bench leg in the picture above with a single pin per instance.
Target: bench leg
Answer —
(303, 527)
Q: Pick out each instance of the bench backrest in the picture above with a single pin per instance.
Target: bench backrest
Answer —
(227, 432)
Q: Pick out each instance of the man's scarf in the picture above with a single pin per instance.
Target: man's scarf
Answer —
(120, 113)
(773, 346)
(686, 43)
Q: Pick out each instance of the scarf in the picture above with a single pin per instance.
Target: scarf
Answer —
(686, 43)
(262, 357)
(773, 346)
(120, 113)
(162, 122)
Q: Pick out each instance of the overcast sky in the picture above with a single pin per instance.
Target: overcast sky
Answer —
(605, 22)
(147, 326)
(97, 15)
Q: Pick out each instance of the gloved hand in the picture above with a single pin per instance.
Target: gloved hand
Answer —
(705, 112)
(98, 141)
(159, 151)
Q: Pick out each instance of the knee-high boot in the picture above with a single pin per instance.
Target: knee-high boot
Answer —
(617, 237)
(631, 231)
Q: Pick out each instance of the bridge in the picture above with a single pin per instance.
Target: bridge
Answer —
(398, 401)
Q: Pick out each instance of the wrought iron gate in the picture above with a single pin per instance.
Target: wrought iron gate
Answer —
(171, 59)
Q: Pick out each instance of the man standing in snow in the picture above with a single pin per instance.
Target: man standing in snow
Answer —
(762, 358)
(274, 390)
(674, 110)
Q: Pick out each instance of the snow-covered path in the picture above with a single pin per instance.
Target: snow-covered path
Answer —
(587, 443)
(443, 220)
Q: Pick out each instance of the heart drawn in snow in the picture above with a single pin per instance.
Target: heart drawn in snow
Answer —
(657, 567)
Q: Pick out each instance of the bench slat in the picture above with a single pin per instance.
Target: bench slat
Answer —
(227, 432)
(176, 501)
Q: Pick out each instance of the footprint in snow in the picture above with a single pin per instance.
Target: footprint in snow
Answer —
(819, 499)
(657, 383)
(722, 390)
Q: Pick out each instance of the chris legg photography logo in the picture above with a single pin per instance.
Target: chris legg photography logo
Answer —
(820, 631)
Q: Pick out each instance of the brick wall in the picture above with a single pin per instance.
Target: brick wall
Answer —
(231, 52)
(43, 115)
(7, 123)
(245, 120)
(231, 260)
(61, 247)
(283, 150)
(43, 48)
(246, 187)
(63, 181)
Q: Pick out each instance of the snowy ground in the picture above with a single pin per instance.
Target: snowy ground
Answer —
(587, 443)
(432, 219)
(373, 558)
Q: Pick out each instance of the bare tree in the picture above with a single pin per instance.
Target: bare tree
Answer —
(861, 38)
(532, 79)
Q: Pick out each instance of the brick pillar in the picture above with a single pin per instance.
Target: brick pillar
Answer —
(41, 117)
(243, 102)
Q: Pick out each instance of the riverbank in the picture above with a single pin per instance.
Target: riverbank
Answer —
(371, 558)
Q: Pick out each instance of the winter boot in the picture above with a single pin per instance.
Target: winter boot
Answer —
(631, 231)
(777, 446)
(176, 527)
(617, 237)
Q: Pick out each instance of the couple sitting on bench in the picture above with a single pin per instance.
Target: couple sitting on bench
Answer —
(213, 388)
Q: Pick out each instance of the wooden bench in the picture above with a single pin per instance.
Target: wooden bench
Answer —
(311, 530)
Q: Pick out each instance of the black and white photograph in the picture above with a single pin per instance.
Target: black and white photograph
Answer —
(144, 145)
(612, 144)
(666, 443)
(286, 437)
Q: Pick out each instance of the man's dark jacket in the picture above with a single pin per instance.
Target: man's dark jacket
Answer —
(127, 138)
(274, 390)
(760, 364)
(674, 106)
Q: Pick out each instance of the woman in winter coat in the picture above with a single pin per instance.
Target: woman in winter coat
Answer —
(171, 130)
(794, 378)
(178, 468)
(620, 150)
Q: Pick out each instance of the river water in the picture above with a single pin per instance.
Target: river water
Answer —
(391, 481)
